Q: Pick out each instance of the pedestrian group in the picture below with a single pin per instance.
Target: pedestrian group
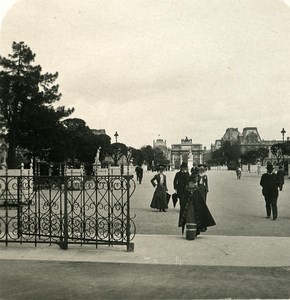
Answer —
(191, 191)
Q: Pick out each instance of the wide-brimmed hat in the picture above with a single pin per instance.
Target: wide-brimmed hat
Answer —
(201, 166)
(192, 178)
(194, 170)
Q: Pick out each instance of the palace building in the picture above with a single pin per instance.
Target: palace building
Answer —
(249, 140)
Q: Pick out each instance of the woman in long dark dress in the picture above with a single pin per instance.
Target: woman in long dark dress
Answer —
(159, 200)
(194, 209)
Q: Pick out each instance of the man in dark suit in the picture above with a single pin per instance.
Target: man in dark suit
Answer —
(139, 173)
(281, 175)
(270, 183)
(180, 181)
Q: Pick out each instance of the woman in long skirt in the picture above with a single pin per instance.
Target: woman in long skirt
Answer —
(159, 200)
(194, 209)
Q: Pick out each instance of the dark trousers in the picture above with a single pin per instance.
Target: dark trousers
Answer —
(139, 177)
(271, 205)
(180, 192)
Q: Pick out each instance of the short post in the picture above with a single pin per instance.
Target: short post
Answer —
(64, 239)
(130, 246)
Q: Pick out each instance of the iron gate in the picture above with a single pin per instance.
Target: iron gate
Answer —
(67, 210)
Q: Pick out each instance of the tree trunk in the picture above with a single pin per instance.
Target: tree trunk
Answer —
(11, 157)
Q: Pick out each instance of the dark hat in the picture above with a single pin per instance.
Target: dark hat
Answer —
(193, 177)
(161, 165)
(269, 166)
(183, 165)
(201, 166)
(194, 170)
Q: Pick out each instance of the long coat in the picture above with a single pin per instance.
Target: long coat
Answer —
(194, 199)
(159, 199)
(280, 175)
(179, 183)
(269, 184)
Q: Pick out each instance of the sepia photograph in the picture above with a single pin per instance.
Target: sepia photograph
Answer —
(144, 149)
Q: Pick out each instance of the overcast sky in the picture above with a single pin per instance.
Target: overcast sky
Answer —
(162, 67)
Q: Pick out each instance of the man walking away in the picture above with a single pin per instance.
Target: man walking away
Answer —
(270, 183)
(139, 173)
(281, 175)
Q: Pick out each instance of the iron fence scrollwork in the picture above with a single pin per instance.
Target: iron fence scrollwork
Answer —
(67, 210)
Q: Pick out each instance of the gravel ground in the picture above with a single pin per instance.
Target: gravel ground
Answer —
(237, 206)
(239, 210)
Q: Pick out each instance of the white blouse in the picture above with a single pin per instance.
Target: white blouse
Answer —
(161, 179)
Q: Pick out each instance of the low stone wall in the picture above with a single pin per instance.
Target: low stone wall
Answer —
(10, 179)
(74, 172)
(116, 170)
(16, 172)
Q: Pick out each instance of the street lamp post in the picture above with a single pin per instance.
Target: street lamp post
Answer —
(116, 136)
(283, 133)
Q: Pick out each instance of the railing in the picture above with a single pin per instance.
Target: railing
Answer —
(67, 210)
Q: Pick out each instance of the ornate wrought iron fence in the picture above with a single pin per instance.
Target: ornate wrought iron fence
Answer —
(67, 210)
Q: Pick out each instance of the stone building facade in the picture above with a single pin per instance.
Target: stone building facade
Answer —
(249, 140)
(161, 144)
